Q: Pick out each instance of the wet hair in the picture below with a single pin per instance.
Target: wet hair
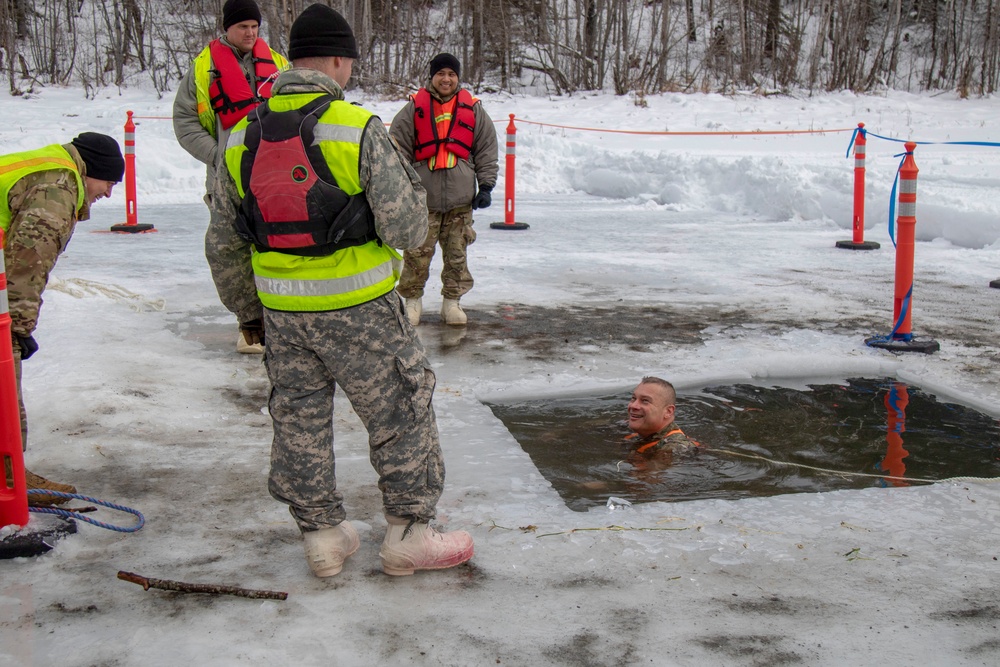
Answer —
(660, 382)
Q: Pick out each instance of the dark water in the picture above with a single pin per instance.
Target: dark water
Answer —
(881, 428)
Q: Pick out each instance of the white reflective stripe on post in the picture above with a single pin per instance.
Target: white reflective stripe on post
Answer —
(907, 209)
(327, 287)
(4, 303)
(908, 186)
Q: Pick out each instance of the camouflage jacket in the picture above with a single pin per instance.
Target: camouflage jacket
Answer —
(393, 189)
(669, 439)
(44, 215)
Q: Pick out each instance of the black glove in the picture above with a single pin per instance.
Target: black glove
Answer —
(28, 346)
(253, 331)
(483, 199)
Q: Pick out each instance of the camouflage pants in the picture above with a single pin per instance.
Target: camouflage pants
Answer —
(372, 352)
(453, 230)
(224, 249)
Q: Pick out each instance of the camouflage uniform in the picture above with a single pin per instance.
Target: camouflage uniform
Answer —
(44, 215)
(370, 350)
(653, 454)
(449, 201)
(668, 439)
(453, 230)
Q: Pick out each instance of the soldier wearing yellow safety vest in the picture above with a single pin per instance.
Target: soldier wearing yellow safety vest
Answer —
(320, 191)
(230, 77)
(43, 194)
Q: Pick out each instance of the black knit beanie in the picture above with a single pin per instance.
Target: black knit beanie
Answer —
(238, 11)
(102, 156)
(442, 60)
(319, 32)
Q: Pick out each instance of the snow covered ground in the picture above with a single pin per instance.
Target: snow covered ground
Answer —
(702, 259)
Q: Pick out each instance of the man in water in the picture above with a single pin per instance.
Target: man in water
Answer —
(655, 437)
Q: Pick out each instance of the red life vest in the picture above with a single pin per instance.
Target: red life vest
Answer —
(458, 140)
(293, 204)
(230, 93)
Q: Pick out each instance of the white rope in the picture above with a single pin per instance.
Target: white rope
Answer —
(852, 474)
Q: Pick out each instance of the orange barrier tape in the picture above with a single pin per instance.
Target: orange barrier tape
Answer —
(600, 129)
(683, 134)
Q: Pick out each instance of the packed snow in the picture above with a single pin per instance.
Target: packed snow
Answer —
(710, 240)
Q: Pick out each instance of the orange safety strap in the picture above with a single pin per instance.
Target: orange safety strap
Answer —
(656, 442)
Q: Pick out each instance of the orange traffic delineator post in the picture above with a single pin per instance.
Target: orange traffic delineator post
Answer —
(13, 493)
(26, 540)
(901, 338)
(131, 214)
(508, 222)
(858, 241)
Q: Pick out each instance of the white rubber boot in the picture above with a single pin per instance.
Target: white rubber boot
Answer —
(412, 545)
(414, 307)
(328, 548)
(452, 313)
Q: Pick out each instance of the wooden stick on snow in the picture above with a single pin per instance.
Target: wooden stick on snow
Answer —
(215, 589)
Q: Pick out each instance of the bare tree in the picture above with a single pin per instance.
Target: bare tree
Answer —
(639, 46)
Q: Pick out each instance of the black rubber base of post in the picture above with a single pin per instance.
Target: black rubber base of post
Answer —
(913, 345)
(864, 245)
(995, 283)
(132, 229)
(34, 540)
(513, 225)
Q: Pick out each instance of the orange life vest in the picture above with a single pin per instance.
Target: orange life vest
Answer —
(649, 445)
(453, 134)
(231, 94)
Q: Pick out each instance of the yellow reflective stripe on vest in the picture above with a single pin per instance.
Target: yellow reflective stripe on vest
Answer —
(234, 153)
(346, 278)
(236, 136)
(278, 287)
(323, 132)
(15, 166)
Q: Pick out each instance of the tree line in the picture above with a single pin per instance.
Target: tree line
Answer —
(540, 46)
